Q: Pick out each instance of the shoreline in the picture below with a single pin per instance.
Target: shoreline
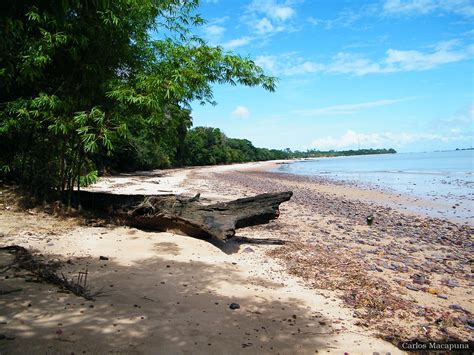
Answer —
(315, 291)
(171, 180)
(402, 202)
(457, 209)
(418, 260)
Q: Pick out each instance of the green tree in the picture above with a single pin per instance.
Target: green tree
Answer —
(94, 84)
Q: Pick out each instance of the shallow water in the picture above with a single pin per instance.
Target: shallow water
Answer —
(442, 177)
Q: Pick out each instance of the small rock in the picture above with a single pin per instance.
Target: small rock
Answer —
(456, 307)
(103, 258)
(443, 296)
(234, 306)
(419, 279)
(248, 250)
(452, 283)
(467, 321)
(370, 220)
(402, 268)
(411, 287)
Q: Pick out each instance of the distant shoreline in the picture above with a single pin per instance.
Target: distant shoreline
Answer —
(444, 190)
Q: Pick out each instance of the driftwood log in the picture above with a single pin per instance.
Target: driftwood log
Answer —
(188, 216)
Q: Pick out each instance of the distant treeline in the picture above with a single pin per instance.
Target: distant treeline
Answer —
(342, 153)
(209, 146)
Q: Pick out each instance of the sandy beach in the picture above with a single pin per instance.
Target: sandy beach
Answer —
(317, 279)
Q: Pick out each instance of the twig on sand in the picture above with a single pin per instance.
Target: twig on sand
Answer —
(7, 267)
(45, 272)
(265, 241)
(6, 292)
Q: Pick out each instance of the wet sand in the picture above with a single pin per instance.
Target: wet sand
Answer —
(335, 285)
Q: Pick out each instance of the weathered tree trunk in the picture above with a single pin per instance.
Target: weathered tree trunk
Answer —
(189, 216)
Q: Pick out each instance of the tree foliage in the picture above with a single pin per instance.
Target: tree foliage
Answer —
(91, 85)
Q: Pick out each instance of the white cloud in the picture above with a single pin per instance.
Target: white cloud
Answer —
(352, 139)
(398, 6)
(414, 7)
(237, 42)
(272, 9)
(348, 17)
(264, 26)
(264, 17)
(267, 17)
(348, 108)
(444, 53)
(241, 112)
(287, 64)
(395, 60)
(282, 13)
(267, 62)
(469, 33)
(345, 18)
(470, 113)
(303, 68)
(464, 117)
(214, 30)
(349, 63)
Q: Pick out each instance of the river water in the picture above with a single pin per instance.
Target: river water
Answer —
(444, 177)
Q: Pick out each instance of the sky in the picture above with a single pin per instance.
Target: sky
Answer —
(369, 74)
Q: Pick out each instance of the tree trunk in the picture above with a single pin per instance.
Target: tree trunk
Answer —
(188, 216)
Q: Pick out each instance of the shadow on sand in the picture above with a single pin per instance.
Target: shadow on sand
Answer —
(156, 305)
(233, 245)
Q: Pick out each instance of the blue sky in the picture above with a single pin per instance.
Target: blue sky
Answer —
(384, 73)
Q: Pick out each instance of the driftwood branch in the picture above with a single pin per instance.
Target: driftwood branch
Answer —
(188, 216)
(47, 272)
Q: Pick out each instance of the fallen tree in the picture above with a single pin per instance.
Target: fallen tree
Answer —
(188, 216)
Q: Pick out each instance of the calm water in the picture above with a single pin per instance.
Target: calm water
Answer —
(446, 177)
